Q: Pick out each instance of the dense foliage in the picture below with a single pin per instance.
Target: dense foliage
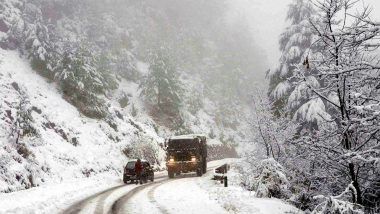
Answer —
(330, 87)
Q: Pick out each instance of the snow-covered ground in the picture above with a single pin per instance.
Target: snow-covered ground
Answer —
(186, 194)
(236, 199)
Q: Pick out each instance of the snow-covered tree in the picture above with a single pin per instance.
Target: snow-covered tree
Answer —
(272, 133)
(11, 23)
(41, 49)
(81, 80)
(26, 28)
(23, 124)
(162, 86)
(295, 42)
(346, 147)
(274, 138)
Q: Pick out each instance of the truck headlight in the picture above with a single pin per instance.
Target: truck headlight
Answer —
(171, 160)
(193, 159)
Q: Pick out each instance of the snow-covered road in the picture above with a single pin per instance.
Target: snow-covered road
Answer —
(179, 195)
(186, 194)
(109, 201)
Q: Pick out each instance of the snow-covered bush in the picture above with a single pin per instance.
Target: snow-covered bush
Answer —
(22, 123)
(144, 148)
(266, 177)
(303, 200)
(26, 174)
(271, 180)
(134, 110)
(338, 204)
(124, 100)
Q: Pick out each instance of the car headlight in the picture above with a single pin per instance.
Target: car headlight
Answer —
(193, 159)
(171, 160)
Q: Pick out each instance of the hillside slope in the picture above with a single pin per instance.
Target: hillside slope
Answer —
(43, 138)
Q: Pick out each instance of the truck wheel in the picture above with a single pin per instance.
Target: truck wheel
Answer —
(199, 172)
(171, 174)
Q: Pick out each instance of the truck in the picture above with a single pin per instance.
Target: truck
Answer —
(186, 153)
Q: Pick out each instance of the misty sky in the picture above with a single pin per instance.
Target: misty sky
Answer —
(267, 19)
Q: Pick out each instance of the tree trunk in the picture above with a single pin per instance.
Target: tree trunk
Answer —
(358, 197)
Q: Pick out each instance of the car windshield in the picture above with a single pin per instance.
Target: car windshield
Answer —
(131, 165)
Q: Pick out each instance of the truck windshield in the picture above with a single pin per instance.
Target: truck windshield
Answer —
(183, 144)
(182, 156)
(131, 165)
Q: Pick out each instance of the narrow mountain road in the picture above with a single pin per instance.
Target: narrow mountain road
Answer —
(161, 196)
(107, 201)
(145, 204)
(180, 195)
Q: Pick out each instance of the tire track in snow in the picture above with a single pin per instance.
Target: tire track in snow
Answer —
(78, 207)
(120, 201)
(127, 206)
(120, 204)
(98, 200)
(101, 202)
(153, 200)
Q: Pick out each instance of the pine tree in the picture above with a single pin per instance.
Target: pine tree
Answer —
(41, 49)
(11, 23)
(31, 32)
(162, 86)
(81, 80)
(295, 42)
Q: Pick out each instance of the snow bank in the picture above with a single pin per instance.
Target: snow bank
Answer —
(54, 198)
(236, 199)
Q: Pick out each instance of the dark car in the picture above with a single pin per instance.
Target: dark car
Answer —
(130, 175)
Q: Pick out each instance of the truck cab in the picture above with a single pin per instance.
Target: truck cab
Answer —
(186, 153)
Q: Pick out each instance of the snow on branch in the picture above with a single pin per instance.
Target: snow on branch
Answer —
(338, 204)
